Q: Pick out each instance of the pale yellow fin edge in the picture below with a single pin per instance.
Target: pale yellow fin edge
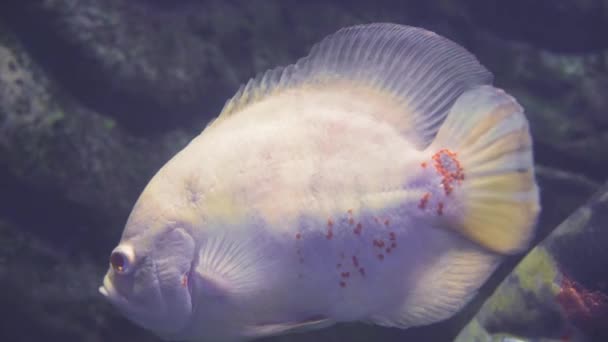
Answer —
(499, 194)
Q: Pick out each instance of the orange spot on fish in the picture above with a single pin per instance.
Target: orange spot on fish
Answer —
(358, 229)
(393, 245)
(392, 236)
(440, 208)
(342, 284)
(423, 165)
(351, 221)
(330, 232)
(388, 251)
(379, 243)
(345, 274)
(424, 200)
(185, 280)
(298, 236)
(449, 168)
(355, 261)
(349, 211)
(387, 222)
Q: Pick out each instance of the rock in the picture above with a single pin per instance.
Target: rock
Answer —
(52, 145)
(139, 65)
(48, 294)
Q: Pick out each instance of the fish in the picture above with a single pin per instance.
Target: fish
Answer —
(380, 179)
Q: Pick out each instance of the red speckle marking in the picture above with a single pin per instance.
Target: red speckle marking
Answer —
(424, 200)
(448, 167)
(440, 208)
(379, 243)
(298, 236)
(338, 265)
(330, 231)
(381, 256)
(355, 261)
(392, 236)
(349, 211)
(387, 222)
(342, 284)
(423, 165)
(376, 220)
(362, 271)
(358, 229)
(388, 251)
(394, 245)
(351, 221)
(185, 280)
(345, 274)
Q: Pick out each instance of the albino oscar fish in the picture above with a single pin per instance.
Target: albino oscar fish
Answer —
(380, 179)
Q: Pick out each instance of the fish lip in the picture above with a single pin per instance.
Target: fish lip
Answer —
(108, 290)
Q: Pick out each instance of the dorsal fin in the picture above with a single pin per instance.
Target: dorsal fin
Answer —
(423, 71)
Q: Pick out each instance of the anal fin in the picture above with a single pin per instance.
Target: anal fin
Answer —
(289, 327)
(443, 287)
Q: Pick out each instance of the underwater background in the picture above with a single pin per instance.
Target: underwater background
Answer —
(95, 96)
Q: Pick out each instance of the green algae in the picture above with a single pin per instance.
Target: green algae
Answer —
(538, 271)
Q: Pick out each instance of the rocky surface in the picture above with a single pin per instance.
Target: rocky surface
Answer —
(96, 95)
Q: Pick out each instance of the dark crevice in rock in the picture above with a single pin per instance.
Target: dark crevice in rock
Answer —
(552, 156)
(70, 227)
(566, 25)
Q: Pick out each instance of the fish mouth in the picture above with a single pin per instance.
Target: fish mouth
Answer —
(108, 290)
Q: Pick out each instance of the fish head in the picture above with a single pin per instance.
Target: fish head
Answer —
(150, 268)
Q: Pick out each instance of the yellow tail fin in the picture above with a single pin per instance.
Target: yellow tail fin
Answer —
(498, 193)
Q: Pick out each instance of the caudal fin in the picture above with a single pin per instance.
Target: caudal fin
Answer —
(483, 153)
(498, 195)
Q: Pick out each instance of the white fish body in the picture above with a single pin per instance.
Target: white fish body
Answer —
(380, 179)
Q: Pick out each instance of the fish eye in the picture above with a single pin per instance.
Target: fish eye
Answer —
(122, 259)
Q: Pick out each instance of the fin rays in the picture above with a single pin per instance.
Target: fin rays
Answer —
(499, 195)
(422, 70)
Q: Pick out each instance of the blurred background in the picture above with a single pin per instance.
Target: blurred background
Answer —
(96, 95)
